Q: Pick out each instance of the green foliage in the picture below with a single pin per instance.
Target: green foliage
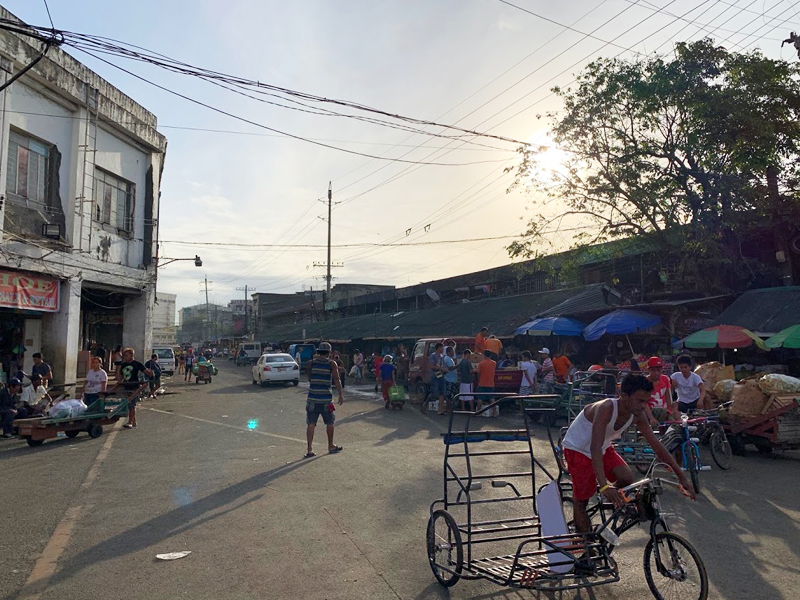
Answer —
(686, 151)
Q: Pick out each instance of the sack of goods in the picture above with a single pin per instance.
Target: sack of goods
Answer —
(723, 389)
(775, 383)
(397, 393)
(492, 412)
(68, 409)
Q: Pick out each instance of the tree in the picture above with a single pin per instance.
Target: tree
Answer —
(687, 151)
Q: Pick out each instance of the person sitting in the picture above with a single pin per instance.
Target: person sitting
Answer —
(8, 406)
(34, 397)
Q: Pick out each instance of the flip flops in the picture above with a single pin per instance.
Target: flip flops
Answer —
(309, 455)
(335, 449)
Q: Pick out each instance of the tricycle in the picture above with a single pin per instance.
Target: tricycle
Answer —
(100, 412)
(544, 552)
(203, 370)
(777, 429)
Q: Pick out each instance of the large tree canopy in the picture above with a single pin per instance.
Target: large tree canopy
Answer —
(685, 151)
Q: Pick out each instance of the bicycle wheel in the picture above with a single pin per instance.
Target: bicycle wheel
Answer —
(721, 450)
(676, 570)
(444, 540)
(693, 466)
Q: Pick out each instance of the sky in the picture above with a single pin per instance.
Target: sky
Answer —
(482, 65)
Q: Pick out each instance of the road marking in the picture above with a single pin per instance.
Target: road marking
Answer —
(47, 563)
(248, 430)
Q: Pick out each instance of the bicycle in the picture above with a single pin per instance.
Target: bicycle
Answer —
(711, 433)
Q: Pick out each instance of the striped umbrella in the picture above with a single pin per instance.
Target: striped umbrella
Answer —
(723, 336)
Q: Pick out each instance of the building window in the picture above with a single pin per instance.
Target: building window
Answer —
(28, 169)
(113, 201)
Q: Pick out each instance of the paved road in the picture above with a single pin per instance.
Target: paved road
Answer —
(218, 470)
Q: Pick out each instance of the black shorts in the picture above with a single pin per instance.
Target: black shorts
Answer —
(315, 409)
(685, 408)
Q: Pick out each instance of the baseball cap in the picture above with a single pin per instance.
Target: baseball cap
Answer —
(654, 362)
(324, 347)
(544, 351)
(14, 381)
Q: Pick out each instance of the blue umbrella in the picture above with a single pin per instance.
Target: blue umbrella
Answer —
(551, 326)
(620, 322)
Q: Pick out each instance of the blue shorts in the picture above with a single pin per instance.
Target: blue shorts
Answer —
(315, 409)
(438, 386)
(483, 397)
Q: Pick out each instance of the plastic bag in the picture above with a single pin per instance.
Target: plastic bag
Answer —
(68, 409)
(774, 383)
(723, 389)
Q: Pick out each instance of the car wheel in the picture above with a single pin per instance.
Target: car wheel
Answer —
(264, 383)
(296, 382)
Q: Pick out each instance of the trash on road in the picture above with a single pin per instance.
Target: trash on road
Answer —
(173, 555)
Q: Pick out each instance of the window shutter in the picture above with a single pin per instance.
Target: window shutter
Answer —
(11, 178)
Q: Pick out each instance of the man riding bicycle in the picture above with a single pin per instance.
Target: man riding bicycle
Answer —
(592, 460)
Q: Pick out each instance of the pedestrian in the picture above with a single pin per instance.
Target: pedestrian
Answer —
(323, 375)
(527, 386)
(116, 357)
(96, 381)
(660, 405)
(451, 375)
(561, 367)
(100, 352)
(377, 361)
(688, 385)
(480, 340)
(495, 346)
(42, 369)
(358, 365)
(437, 383)
(188, 361)
(388, 372)
(342, 371)
(8, 406)
(486, 370)
(155, 380)
(547, 372)
(128, 372)
(465, 379)
(402, 366)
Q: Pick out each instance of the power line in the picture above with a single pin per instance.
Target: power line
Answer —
(354, 245)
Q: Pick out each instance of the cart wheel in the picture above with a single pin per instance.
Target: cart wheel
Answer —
(674, 567)
(764, 448)
(95, 431)
(568, 508)
(444, 540)
(34, 443)
(72, 433)
(721, 450)
(737, 444)
(401, 407)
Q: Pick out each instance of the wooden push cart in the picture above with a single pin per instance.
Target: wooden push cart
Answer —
(101, 412)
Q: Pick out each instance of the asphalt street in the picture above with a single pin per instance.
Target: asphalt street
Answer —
(218, 470)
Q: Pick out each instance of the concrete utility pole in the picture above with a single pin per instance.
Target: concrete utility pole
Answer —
(328, 274)
(208, 310)
(246, 307)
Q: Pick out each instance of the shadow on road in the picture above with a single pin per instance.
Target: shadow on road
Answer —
(13, 448)
(172, 523)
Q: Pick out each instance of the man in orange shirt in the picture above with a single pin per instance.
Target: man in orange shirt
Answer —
(480, 340)
(494, 346)
(561, 366)
(486, 369)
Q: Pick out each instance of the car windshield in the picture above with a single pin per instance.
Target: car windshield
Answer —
(278, 358)
(164, 353)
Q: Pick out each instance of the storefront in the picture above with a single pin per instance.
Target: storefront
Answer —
(24, 299)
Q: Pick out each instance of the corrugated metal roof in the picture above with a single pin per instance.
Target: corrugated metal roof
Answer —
(501, 315)
(590, 299)
(766, 311)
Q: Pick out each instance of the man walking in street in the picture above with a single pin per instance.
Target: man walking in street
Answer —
(323, 375)
(188, 361)
(358, 365)
(436, 366)
(128, 377)
(155, 381)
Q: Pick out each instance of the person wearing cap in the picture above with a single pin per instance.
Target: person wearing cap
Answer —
(547, 373)
(8, 406)
(323, 374)
(660, 405)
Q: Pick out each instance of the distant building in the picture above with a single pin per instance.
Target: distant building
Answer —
(165, 332)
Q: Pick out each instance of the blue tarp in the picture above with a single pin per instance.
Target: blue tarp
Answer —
(620, 322)
(551, 326)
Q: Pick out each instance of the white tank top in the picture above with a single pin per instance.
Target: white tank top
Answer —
(579, 434)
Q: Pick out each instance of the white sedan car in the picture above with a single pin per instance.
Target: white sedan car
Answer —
(279, 368)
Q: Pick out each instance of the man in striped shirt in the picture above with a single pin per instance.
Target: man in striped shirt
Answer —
(323, 374)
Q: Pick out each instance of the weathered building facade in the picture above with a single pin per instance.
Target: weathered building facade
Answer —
(80, 173)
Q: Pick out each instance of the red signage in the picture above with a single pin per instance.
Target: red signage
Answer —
(28, 292)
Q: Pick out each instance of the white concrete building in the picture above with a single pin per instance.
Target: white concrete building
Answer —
(165, 330)
(80, 172)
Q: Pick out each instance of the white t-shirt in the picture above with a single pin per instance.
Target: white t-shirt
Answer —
(95, 380)
(32, 395)
(528, 367)
(688, 390)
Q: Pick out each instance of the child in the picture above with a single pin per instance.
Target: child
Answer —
(155, 381)
(688, 385)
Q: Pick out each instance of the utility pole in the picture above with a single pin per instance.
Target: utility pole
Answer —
(208, 310)
(246, 308)
(328, 274)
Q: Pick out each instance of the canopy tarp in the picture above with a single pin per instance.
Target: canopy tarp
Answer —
(546, 326)
(620, 322)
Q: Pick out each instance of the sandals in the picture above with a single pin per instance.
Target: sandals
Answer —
(335, 449)
(127, 426)
(309, 455)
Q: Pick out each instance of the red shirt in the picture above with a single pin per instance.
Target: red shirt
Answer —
(660, 392)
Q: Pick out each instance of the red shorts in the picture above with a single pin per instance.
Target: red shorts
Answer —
(385, 385)
(584, 481)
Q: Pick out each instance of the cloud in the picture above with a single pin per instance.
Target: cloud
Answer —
(505, 23)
